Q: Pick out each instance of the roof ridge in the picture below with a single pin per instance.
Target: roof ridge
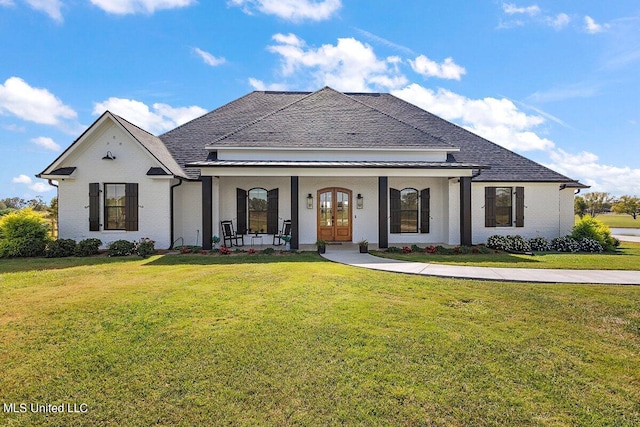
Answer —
(395, 118)
(210, 112)
(259, 119)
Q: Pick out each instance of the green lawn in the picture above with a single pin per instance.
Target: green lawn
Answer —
(201, 340)
(627, 257)
(617, 221)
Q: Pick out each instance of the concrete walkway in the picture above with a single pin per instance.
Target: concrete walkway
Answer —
(350, 256)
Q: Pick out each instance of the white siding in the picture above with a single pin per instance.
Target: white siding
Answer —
(131, 165)
(188, 214)
(544, 213)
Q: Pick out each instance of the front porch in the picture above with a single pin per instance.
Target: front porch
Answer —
(343, 209)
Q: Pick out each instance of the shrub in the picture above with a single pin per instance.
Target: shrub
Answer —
(590, 245)
(87, 247)
(463, 250)
(60, 248)
(268, 251)
(509, 243)
(430, 249)
(591, 228)
(539, 244)
(406, 249)
(23, 234)
(565, 244)
(121, 248)
(416, 248)
(144, 247)
(226, 251)
(393, 250)
(444, 251)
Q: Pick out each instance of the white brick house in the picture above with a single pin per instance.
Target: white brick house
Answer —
(342, 167)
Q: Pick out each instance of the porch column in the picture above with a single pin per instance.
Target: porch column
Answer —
(295, 227)
(465, 211)
(383, 204)
(207, 211)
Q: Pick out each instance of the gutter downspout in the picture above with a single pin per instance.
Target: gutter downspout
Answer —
(172, 232)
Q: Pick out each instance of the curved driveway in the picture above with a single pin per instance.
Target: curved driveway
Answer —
(611, 277)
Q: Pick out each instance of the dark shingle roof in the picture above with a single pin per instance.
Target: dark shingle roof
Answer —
(505, 164)
(329, 119)
(323, 117)
(186, 143)
(64, 171)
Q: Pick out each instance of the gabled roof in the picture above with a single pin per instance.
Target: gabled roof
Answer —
(154, 145)
(151, 143)
(330, 119)
(187, 142)
(270, 117)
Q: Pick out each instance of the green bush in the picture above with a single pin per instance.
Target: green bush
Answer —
(60, 248)
(87, 247)
(145, 247)
(121, 248)
(23, 234)
(591, 228)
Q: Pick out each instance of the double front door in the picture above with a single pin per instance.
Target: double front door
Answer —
(334, 214)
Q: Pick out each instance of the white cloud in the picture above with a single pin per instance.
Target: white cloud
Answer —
(22, 179)
(592, 27)
(46, 143)
(126, 7)
(33, 104)
(38, 187)
(497, 120)
(349, 65)
(428, 68)
(260, 85)
(559, 22)
(160, 118)
(50, 7)
(291, 10)
(7, 3)
(512, 9)
(585, 167)
(208, 58)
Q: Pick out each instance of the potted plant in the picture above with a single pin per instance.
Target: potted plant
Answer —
(322, 246)
(215, 240)
(287, 242)
(364, 246)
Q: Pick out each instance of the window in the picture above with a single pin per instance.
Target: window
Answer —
(257, 210)
(504, 207)
(409, 210)
(120, 206)
(499, 210)
(114, 206)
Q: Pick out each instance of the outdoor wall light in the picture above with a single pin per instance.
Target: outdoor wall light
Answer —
(309, 201)
(109, 156)
(359, 201)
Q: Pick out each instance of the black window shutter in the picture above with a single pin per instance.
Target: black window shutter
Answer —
(272, 211)
(394, 209)
(131, 206)
(519, 206)
(425, 209)
(241, 211)
(490, 206)
(94, 206)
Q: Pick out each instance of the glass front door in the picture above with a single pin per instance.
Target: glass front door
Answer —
(334, 214)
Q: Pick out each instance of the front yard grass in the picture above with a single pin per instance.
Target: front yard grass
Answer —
(200, 340)
(627, 257)
(618, 221)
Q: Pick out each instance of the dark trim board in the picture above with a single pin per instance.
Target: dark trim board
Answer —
(465, 211)
(295, 221)
(383, 208)
(207, 212)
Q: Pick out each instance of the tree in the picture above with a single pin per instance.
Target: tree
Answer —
(597, 202)
(627, 205)
(579, 206)
(52, 209)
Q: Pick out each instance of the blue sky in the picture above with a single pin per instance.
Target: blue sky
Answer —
(556, 81)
